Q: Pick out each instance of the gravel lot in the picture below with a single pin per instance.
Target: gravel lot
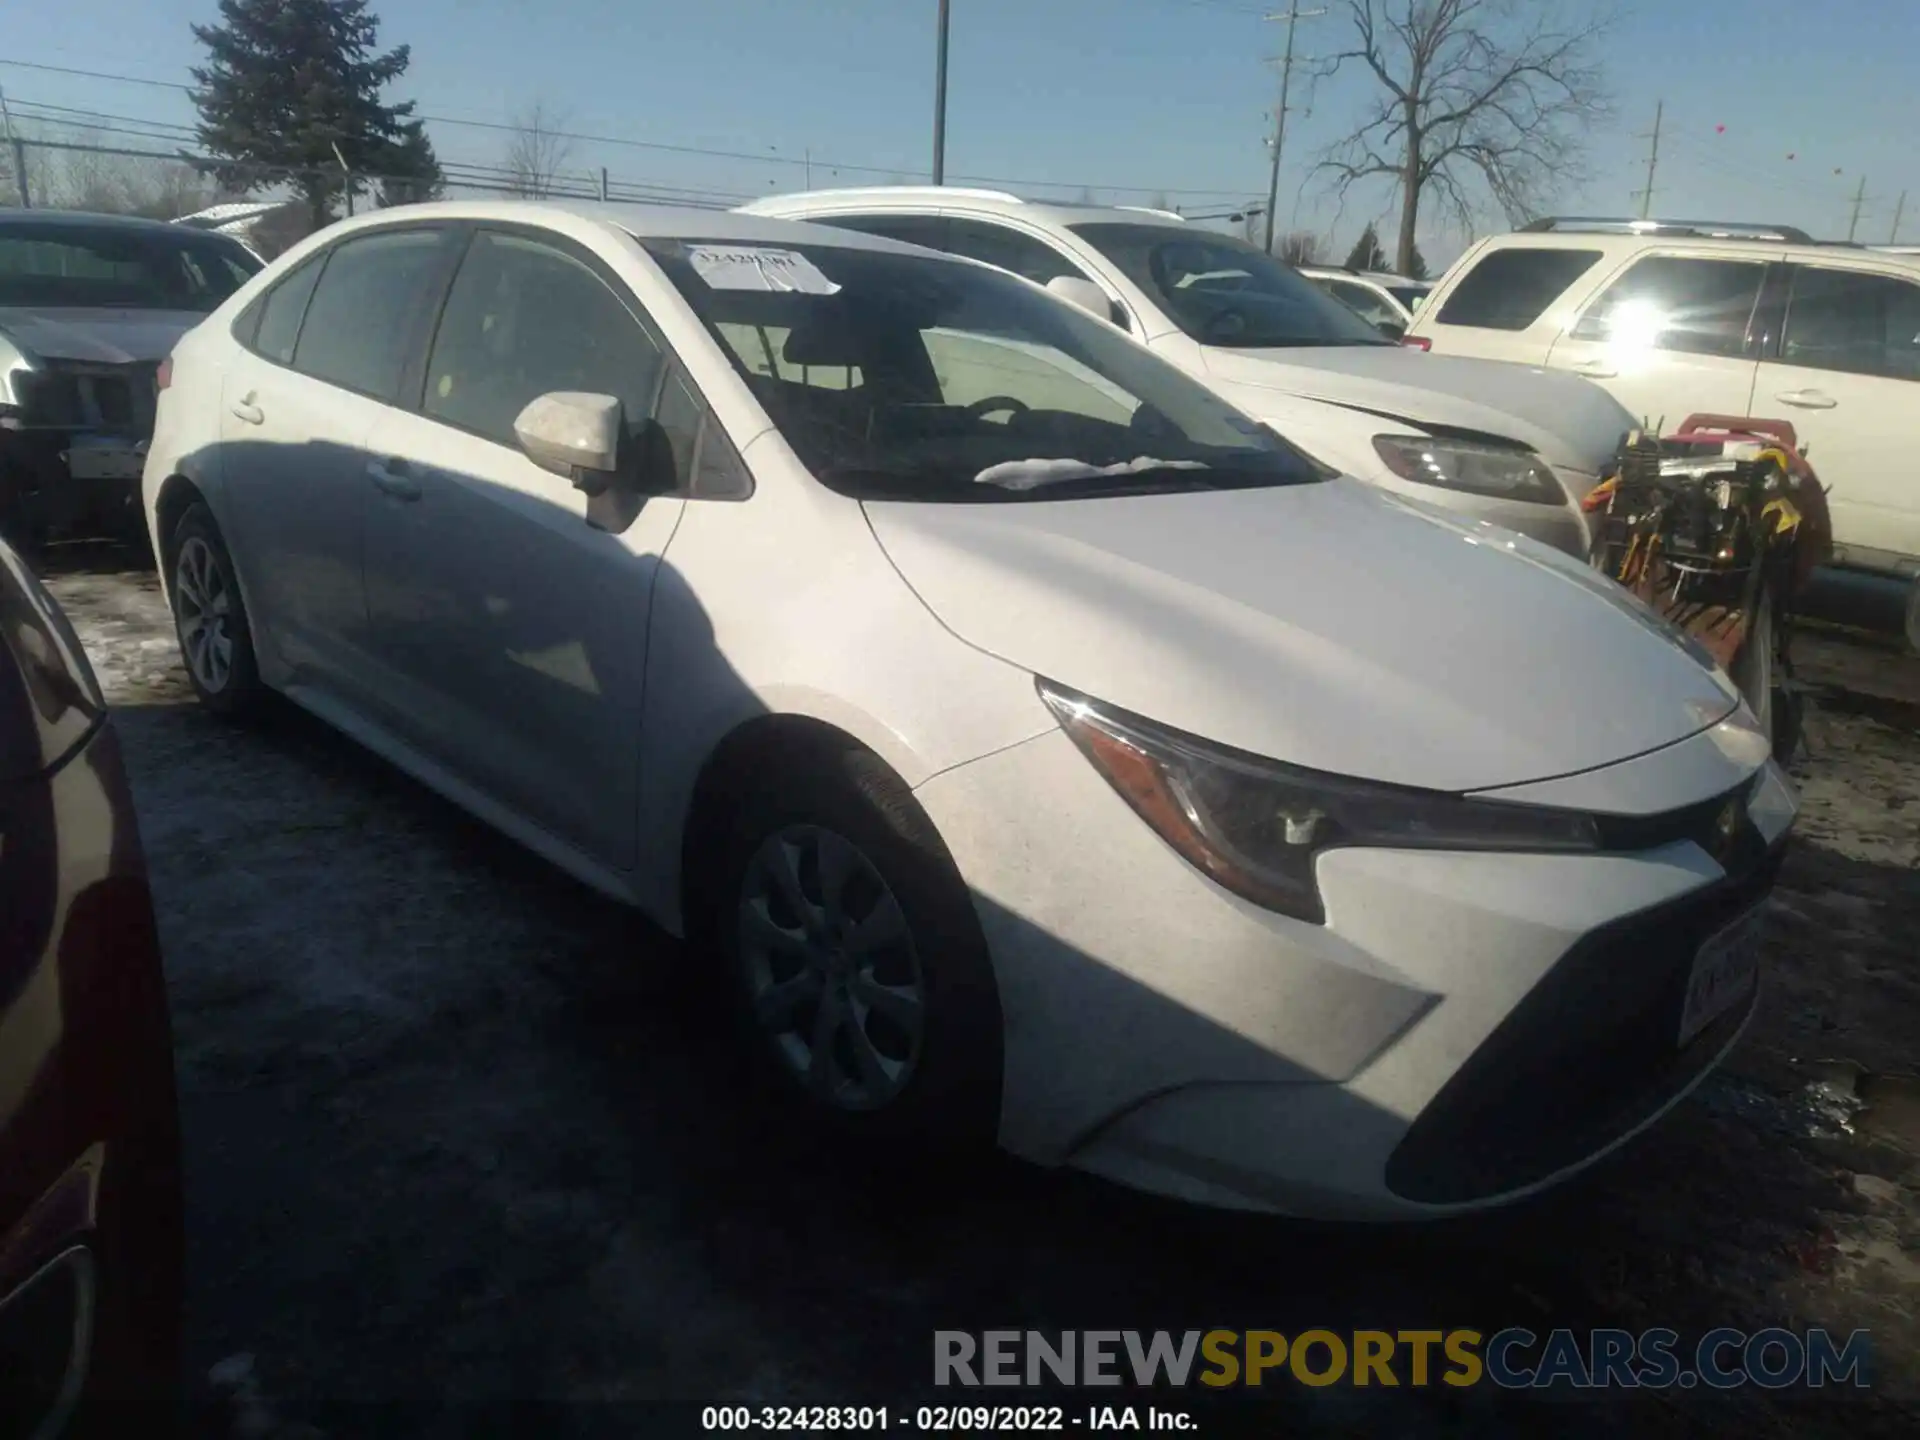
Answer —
(463, 1138)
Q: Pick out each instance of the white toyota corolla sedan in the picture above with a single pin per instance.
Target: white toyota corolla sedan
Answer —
(1048, 752)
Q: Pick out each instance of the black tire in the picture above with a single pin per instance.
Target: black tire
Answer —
(197, 543)
(949, 1102)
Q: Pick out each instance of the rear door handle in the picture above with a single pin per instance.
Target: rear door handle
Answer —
(1807, 399)
(394, 476)
(1594, 369)
(246, 410)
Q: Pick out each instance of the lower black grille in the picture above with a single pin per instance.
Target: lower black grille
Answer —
(1589, 1054)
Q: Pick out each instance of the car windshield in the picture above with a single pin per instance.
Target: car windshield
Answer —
(1409, 295)
(55, 265)
(912, 377)
(1223, 291)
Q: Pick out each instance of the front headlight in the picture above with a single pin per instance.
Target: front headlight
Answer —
(1256, 826)
(1477, 467)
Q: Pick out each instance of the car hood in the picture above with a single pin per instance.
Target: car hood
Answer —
(1325, 624)
(1568, 421)
(96, 337)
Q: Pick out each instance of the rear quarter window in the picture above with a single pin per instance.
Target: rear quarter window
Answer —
(1510, 289)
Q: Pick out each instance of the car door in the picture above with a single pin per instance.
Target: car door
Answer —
(319, 366)
(1848, 377)
(510, 633)
(1671, 335)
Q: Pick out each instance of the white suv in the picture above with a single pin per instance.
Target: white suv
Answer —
(1680, 318)
(1518, 448)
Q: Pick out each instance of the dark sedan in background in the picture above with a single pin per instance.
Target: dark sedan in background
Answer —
(90, 1195)
(90, 305)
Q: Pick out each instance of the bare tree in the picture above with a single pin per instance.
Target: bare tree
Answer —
(1477, 101)
(537, 152)
(1302, 247)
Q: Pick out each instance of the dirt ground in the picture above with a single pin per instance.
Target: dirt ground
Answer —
(463, 1141)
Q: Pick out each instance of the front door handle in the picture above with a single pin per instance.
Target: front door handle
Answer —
(1594, 370)
(1807, 399)
(245, 409)
(394, 476)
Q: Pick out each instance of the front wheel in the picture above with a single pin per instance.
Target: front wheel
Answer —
(856, 957)
(210, 618)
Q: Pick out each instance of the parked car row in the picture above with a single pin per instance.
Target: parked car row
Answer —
(1049, 751)
(1693, 317)
(1517, 447)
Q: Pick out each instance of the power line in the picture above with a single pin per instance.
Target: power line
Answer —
(767, 158)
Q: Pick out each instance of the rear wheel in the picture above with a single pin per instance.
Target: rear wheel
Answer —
(856, 959)
(210, 618)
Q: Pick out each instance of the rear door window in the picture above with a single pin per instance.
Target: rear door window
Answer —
(1672, 302)
(362, 315)
(1009, 250)
(280, 311)
(1510, 289)
(1853, 321)
(927, 230)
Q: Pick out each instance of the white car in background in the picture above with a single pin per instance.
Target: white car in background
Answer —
(1517, 447)
(1062, 759)
(1687, 317)
(1384, 300)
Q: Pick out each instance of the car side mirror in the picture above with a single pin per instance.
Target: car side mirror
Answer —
(574, 434)
(1076, 290)
(1392, 329)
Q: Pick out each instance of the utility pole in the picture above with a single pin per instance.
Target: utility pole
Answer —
(940, 102)
(1293, 17)
(1859, 199)
(1653, 160)
(1898, 211)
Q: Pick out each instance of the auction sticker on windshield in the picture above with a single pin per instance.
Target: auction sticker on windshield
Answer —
(755, 267)
(1724, 973)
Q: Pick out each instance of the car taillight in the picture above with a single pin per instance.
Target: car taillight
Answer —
(164, 375)
(1416, 342)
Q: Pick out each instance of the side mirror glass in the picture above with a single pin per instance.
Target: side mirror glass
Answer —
(574, 434)
(1082, 292)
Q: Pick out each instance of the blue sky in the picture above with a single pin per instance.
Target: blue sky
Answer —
(1156, 95)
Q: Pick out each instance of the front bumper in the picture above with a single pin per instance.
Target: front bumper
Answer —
(58, 483)
(1396, 1062)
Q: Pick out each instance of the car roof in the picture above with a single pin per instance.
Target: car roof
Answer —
(13, 218)
(927, 198)
(1612, 238)
(642, 222)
